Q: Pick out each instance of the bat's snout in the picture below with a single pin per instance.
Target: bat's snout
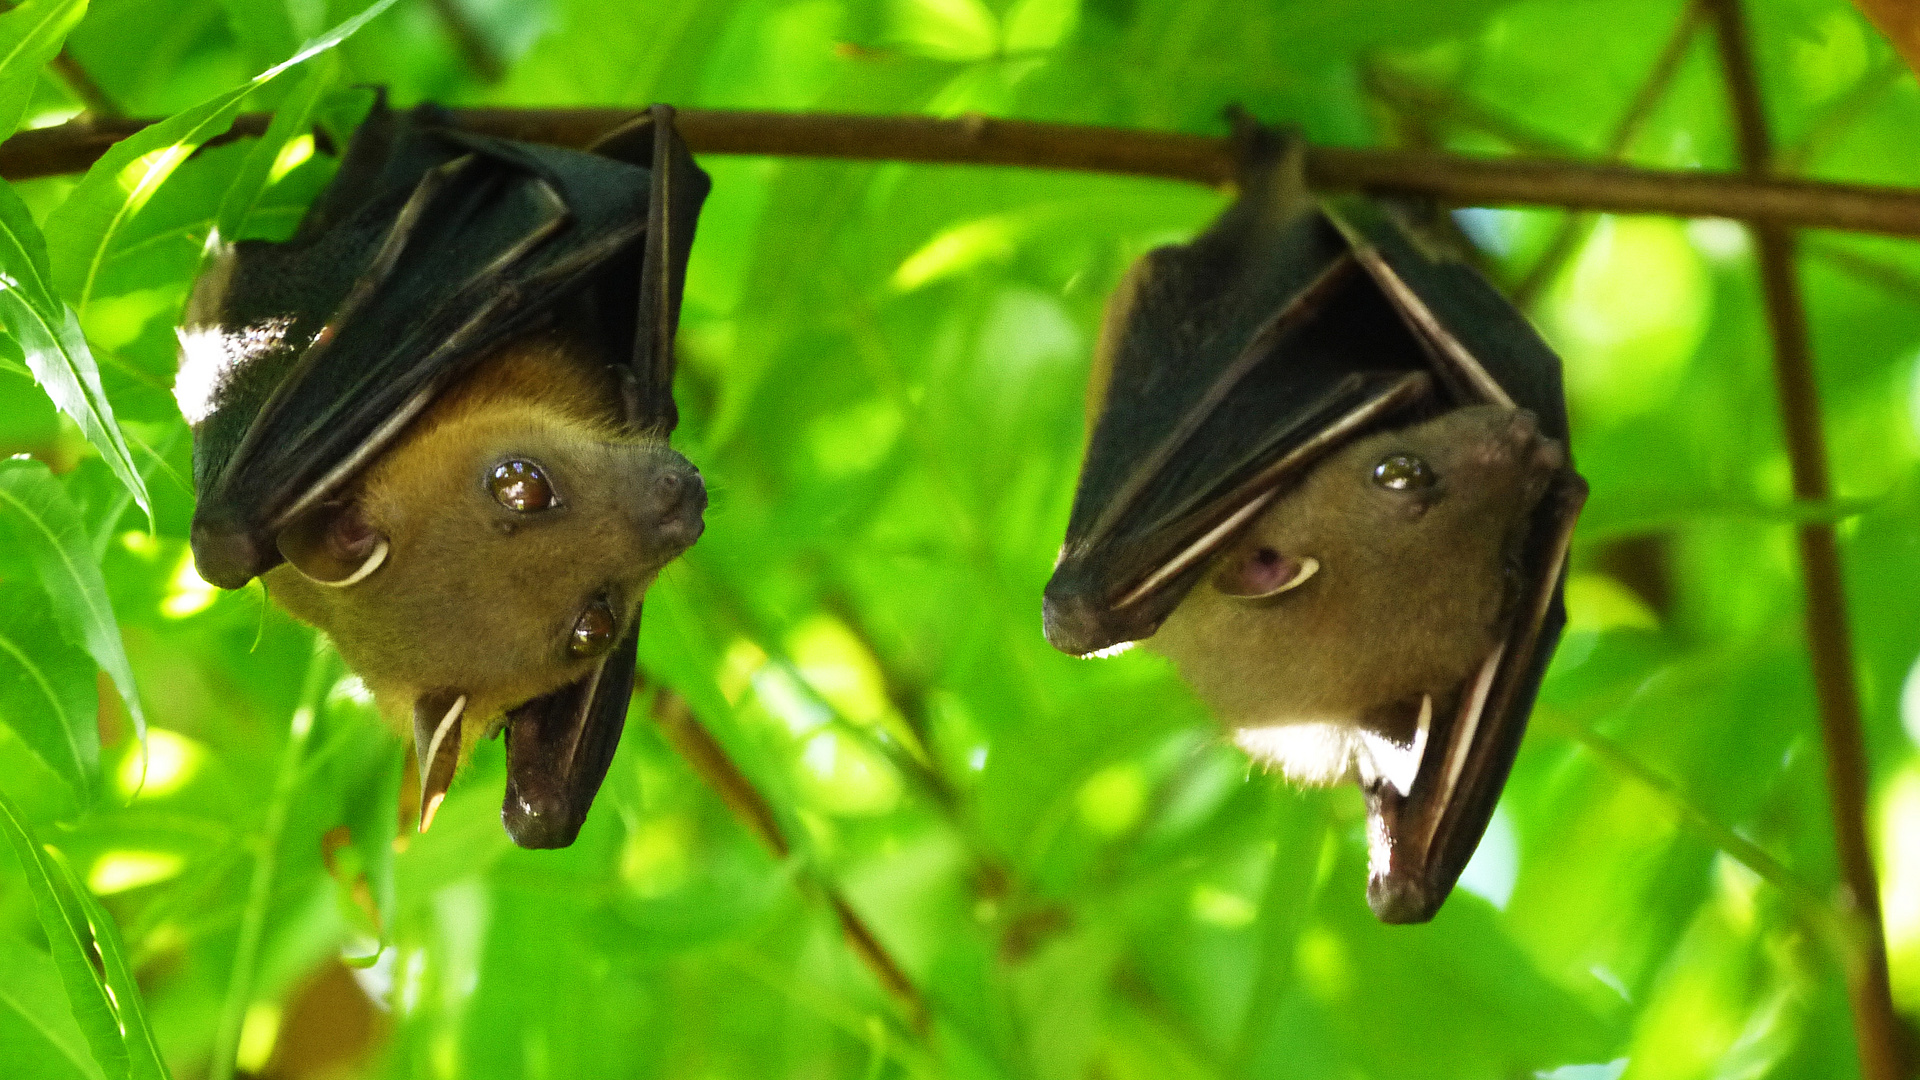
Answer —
(670, 503)
(1514, 438)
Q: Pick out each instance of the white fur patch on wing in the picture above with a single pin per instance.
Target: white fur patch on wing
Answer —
(210, 354)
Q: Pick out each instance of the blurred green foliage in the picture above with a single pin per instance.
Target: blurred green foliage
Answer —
(882, 371)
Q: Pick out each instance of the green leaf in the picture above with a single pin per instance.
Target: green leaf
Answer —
(45, 522)
(30, 35)
(47, 691)
(37, 1031)
(49, 333)
(293, 119)
(76, 950)
(85, 229)
(143, 1050)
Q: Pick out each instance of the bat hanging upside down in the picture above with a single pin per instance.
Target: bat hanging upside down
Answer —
(1370, 596)
(1327, 475)
(494, 555)
(435, 423)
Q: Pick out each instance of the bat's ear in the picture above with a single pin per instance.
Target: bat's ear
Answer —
(332, 544)
(1255, 572)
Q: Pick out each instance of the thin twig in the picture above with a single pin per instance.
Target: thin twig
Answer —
(474, 48)
(1412, 97)
(1575, 227)
(1451, 179)
(1876, 1029)
(80, 83)
(1838, 115)
(1888, 276)
(709, 761)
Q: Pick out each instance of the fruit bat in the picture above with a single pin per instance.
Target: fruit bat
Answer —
(435, 422)
(1327, 476)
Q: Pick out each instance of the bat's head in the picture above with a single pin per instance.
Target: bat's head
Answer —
(1356, 629)
(495, 554)
(1382, 578)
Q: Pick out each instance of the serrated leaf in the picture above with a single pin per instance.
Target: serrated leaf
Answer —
(46, 523)
(47, 691)
(71, 939)
(56, 351)
(83, 231)
(30, 35)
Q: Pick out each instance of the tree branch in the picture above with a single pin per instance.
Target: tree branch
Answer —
(709, 761)
(1452, 179)
(1876, 1029)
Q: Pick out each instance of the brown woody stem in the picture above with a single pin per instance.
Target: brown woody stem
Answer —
(709, 761)
(1453, 179)
(1876, 1029)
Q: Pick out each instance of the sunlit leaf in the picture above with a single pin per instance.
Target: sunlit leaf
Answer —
(267, 161)
(85, 229)
(37, 1031)
(49, 333)
(86, 952)
(30, 35)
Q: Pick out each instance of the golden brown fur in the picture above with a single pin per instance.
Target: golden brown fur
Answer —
(1410, 594)
(473, 598)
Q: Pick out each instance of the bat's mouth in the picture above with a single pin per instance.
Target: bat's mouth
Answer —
(559, 746)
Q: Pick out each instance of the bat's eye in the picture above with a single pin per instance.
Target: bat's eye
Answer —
(1403, 472)
(521, 486)
(593, 631)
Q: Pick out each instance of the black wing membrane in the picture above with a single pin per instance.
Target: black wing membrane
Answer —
(430, 246)
(1229, 359)
(560, 746)
(1234, 363)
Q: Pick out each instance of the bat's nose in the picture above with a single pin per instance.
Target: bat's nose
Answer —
(668, 501)
(1531, 447)
(678, 502)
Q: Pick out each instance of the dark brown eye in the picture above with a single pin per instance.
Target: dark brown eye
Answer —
(1403, 472)
(593, 631)
(522, 487)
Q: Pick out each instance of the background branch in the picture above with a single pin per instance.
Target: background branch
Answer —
(473, 46)
(709, 761)
(1876, 1029)
(1452, 179)
(78, 81)
(1575, 227)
